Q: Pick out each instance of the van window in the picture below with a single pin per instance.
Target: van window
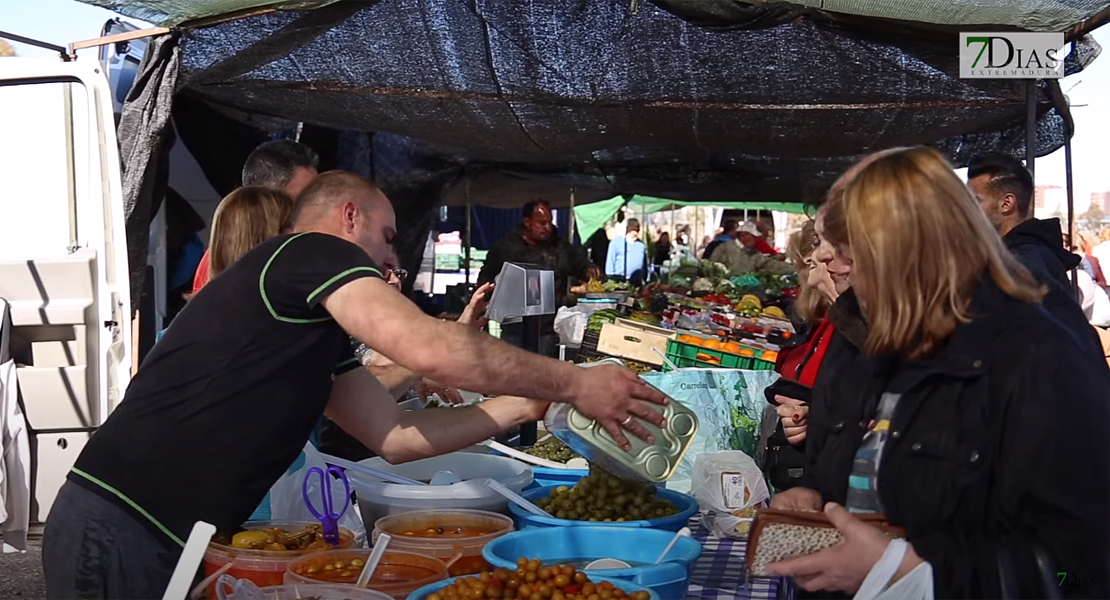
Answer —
(35, 175)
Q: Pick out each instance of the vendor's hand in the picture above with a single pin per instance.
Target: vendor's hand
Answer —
(427, 387)
(475, 312)
(613, 395)
(842, 567)
(795, 418)
(797, 498)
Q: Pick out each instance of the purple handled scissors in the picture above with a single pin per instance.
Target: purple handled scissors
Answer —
(328, 516)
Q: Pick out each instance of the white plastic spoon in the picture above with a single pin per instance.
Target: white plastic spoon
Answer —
(516, 498)
(684, 532)
(375, 558)
(189, 562)
(602, 564)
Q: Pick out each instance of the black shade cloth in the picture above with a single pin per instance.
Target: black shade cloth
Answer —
(498, 102)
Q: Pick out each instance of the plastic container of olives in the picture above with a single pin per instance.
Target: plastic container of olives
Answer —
(686, 505)
(643, 461)
(262, 567)
(398, 574)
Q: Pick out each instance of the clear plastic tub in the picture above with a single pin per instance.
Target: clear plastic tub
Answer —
(426, 591)
(377, 499)
(478, 529)
(263, 567)
(397, 575)
(315, 590)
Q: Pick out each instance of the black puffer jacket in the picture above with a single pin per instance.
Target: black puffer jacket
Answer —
(1038, 244)
(1002, 441)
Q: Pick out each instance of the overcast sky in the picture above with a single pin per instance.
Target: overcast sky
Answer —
(65, 21)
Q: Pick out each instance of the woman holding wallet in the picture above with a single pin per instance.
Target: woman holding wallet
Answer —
(974, 421)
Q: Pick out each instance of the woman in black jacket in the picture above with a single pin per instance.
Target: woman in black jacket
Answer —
(971, 418)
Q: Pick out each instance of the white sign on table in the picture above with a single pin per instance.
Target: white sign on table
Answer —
(999, 55)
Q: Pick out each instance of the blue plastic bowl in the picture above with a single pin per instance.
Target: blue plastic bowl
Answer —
(670, 579)
(547, 476)
(686, 504)
(431, 588)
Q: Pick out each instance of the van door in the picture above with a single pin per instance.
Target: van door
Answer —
(63, 258)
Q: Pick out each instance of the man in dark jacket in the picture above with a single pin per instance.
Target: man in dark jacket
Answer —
(1005, 191)
(536, 242)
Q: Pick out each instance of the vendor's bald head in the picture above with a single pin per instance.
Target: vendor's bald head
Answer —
(351, 207)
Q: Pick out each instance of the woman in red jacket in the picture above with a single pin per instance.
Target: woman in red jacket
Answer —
(821, 283)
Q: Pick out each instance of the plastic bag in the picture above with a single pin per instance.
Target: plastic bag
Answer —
(729, 404)
(729, 488)
(570, 324)
(287, 498)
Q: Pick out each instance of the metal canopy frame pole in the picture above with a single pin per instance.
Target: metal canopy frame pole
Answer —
(573, 224)
(1031, 130)
(466, 249)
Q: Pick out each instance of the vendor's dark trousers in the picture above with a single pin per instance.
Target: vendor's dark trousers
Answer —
(93, 550)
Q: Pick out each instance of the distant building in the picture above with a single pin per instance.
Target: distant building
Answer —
(1101, 200)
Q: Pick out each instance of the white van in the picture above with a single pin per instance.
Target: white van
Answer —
(63, 261)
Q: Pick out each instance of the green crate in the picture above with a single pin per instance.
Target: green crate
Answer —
(685, 355)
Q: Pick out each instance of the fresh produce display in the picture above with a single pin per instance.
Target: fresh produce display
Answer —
(533, 581)
(600, 318)
(552, 449)
(635, 367)
(601, 496)
(595, 286)
(274, 539)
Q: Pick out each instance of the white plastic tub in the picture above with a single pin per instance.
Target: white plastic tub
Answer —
(378, 499)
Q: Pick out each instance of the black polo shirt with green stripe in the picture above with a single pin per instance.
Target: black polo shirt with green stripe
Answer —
(226, 400)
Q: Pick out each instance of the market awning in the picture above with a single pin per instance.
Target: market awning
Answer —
(1032, 15)
(588, 218)
(497, 102)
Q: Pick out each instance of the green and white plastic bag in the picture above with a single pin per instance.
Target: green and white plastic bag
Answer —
(729, 404)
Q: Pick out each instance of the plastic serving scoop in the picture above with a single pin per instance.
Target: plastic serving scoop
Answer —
(363, 469)
(444, 478)
(516, 498)
(603, 564)
(189, 562)
(375, 558)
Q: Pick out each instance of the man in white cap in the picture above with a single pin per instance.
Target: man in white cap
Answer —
(741, 256)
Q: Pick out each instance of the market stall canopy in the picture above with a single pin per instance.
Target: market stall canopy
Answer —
(588, 218)
(541, 97)
(1031, 15)
(499, 101)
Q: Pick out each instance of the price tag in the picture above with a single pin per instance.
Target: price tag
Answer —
(734, 491)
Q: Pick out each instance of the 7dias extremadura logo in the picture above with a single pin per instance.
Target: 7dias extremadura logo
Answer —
(1012, 55)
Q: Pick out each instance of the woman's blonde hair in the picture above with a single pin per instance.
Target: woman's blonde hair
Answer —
(920, 244)
(245, 218)
(811, 303)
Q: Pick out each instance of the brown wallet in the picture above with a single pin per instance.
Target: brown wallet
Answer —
(781, 534)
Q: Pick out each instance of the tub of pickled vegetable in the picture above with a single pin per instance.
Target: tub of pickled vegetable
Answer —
(399, 573)
(260, 551)
(455, 536)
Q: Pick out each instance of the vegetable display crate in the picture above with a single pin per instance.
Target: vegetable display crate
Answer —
(691, 355)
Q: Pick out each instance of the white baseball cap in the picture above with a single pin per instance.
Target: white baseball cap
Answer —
(749, 227)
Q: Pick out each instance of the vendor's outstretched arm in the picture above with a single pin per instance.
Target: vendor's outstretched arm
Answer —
(362, 406)
(458, 355)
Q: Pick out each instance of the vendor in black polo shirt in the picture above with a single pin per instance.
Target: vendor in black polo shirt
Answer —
(226, 400)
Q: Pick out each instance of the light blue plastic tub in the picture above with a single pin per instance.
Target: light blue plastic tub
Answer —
(431, 588)
(636, 546)
(547, 476)
(686, 504)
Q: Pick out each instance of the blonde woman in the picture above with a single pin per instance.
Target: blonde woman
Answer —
(245, 218)
(977, 423)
